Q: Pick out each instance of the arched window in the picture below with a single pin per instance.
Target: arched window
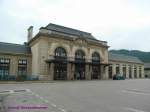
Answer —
(60, 52)
(95, 56)
(95, 66)
(79, 54)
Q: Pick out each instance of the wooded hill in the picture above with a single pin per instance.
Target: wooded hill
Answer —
(143, 56)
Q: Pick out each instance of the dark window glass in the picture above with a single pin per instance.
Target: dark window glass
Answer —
(60, 52)
(22, 67)
(130, 71)
(79, 54)
(60, 68)
(135, 72)
(4, 66)
(124, 70)
(95, 56)
(140, 72)
(110, 71)
(117, 68)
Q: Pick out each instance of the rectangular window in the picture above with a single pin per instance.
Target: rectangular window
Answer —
(124, 70)
(117, 68)
(135, 71)
(4, 66)
(140, 72)
(130, 71)
(110, 72)
(22, 67)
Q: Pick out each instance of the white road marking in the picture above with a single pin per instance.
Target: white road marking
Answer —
(36, 95)
(53, 105)
(134, 110)
(63, 110)
(41, 98)
(11, 91)
(29, 91)
(135, 92)
(14, 91)
(46, 101)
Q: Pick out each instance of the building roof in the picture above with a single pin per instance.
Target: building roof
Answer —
(70, 31)
(14, 48)
(124, 58)
(147, 65)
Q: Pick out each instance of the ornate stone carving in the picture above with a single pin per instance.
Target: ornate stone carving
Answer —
(81, 42)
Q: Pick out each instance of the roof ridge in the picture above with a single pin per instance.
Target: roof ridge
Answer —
(123, 55)
(69, 28)
(12, 44)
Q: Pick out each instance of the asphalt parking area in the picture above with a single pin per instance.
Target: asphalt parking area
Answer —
(24, 100)
(89, 96)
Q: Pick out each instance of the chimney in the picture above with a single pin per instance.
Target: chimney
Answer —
(30, 33)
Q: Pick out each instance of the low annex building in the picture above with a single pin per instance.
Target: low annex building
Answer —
(15, 60)
(147, 70)
(129, 66)
(61, 53)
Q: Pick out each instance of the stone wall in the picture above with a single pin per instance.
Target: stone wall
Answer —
(14, 58)
(44, 48)
(134, 66)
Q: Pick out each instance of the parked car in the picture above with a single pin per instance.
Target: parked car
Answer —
(32, 77)
(118, 77)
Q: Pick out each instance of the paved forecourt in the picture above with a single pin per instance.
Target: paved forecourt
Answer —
(83, 96)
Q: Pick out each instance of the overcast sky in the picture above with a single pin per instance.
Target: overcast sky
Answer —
(124, 24)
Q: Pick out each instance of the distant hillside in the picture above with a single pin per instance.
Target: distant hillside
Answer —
(143, 56)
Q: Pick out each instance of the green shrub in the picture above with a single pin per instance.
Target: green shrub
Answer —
(21, 78)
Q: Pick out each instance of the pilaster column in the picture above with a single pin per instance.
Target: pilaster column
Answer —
(113, 69)
(142, 69)
(102, 72)
(69, 74)
(132, 71)
(87, 70)
(13, 70)
(137, 71)
(48, 77)
(127, 71)
(120, 69)
(90, 72)
(73, 71)
(52, 71)
(106, 72)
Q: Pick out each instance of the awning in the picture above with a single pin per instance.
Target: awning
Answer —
(75, 62)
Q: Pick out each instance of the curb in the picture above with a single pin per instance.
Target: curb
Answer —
(24, 82)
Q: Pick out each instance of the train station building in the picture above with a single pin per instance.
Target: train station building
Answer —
(61, 53)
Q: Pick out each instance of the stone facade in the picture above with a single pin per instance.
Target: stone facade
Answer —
(43, 49)
(147, 70)
(61, 53)
(14, 59)
(130, 70)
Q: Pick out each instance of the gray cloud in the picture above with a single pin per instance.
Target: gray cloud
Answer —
(125, 24)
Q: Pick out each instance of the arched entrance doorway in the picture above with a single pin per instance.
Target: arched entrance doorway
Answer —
(60, 64)
(95, 66)
(79, 65)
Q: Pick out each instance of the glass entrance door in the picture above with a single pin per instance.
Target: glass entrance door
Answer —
(60, 71)
(79, 72)
(95, 72)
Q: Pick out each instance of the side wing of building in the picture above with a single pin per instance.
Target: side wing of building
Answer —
(129, 66)
(15, 60)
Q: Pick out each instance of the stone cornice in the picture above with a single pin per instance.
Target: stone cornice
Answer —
(125, 62)
(67, 37)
